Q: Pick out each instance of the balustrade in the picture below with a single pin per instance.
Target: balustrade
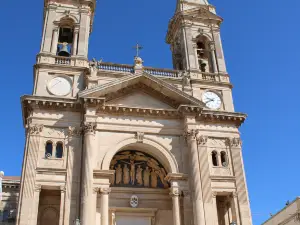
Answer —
(115, 67)
(62, 60)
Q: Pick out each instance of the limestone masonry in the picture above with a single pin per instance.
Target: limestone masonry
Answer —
(116, 144)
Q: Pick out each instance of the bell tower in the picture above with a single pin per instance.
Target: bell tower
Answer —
(67, 26)
(63, 57)
(194, 37)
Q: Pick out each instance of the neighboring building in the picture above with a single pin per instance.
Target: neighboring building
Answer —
(289, 215)
(9, 200)
(121, 144)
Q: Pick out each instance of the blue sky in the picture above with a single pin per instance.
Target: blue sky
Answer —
(261, 44)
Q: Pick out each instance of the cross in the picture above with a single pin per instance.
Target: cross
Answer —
(138, 47)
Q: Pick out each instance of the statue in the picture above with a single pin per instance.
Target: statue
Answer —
(126, 174)
(138, 62)
(139, 178)
(162, 174)
(132, 168)
(186, 79)
(146, 176)
(93, 68)
(113, 178)
(118, 174)
(153, 178)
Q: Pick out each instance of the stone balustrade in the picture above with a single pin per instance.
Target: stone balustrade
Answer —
(115, 67)
(62, 60)
(162, 72)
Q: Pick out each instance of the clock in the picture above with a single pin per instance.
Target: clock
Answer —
(59, 86)
(211, 100)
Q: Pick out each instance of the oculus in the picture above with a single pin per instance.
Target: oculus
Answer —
(138, 169)
(59, 86)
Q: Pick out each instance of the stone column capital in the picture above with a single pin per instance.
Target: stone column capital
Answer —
(214, 194)
(201, 139)
(104, 191)
(234, 142)
(37, 188)
(89, 128)
(234, 194)
(35, 128)
(174, 192)
(96, 190)
(190, 135)
(62, 189)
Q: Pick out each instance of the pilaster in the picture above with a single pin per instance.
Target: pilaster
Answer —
(104, 193)
(35, 204)
(242, 201)
(62, 205)
(175, 194)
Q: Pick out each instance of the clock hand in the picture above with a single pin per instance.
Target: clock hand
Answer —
(56, 84)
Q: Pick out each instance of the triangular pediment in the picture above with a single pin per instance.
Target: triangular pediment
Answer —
(139, 99)
(143, 91)
(203, 13)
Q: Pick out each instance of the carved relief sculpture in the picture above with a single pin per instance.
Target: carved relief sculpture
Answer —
(138, 169)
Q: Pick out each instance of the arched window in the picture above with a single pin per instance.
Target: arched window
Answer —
(224, 159)
(214, 158)
(203, 54)
(66, 37)
(48, 149)
(59, 150)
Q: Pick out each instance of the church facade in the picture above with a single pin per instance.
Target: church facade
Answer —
(116, 144)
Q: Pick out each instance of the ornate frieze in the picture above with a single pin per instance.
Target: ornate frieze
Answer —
(190, 135)
(201, 140)
(37, 187)
(234, 142)
(137, 169)
(89, 128)
(139, 137)
(35, 128)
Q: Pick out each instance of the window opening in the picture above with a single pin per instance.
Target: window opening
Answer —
(65, 41)
(224, 159)
(214, 156)
(48, 150)
(59, 150)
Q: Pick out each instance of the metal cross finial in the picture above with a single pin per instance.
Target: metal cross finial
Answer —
(138, 48)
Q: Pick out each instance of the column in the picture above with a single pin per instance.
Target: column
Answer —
(35, 207)
(219, 159)
(198, 209)
(213, 57)
(87, 195)
(215, 209)
(75, 41)
(229, 206)
(174, 193)
(236, 208)
(187, 209)
(62, 205)
(105, 205)
(54, 40)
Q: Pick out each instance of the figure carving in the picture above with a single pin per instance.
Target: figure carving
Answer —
(139, 177)
(146, 176)
(186, 79)
(118, 174)
(93, 68)
(153, 178)
(133, 168)
(126, 178)
(113, 177)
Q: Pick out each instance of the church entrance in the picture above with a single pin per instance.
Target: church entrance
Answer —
(132, 220)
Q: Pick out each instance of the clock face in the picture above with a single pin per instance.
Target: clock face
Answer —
(211, 100)
(59, 86)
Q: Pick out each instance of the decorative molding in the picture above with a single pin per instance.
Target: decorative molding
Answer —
(36, 129)
(89, 128)
(104, 191)
(234, 194)
(186, 193)
(74, 131)
(140, 137)
(234, 142)
(201, 140)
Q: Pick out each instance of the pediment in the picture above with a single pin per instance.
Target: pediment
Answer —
(139, 99)
(202, 13)
(144, 88)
